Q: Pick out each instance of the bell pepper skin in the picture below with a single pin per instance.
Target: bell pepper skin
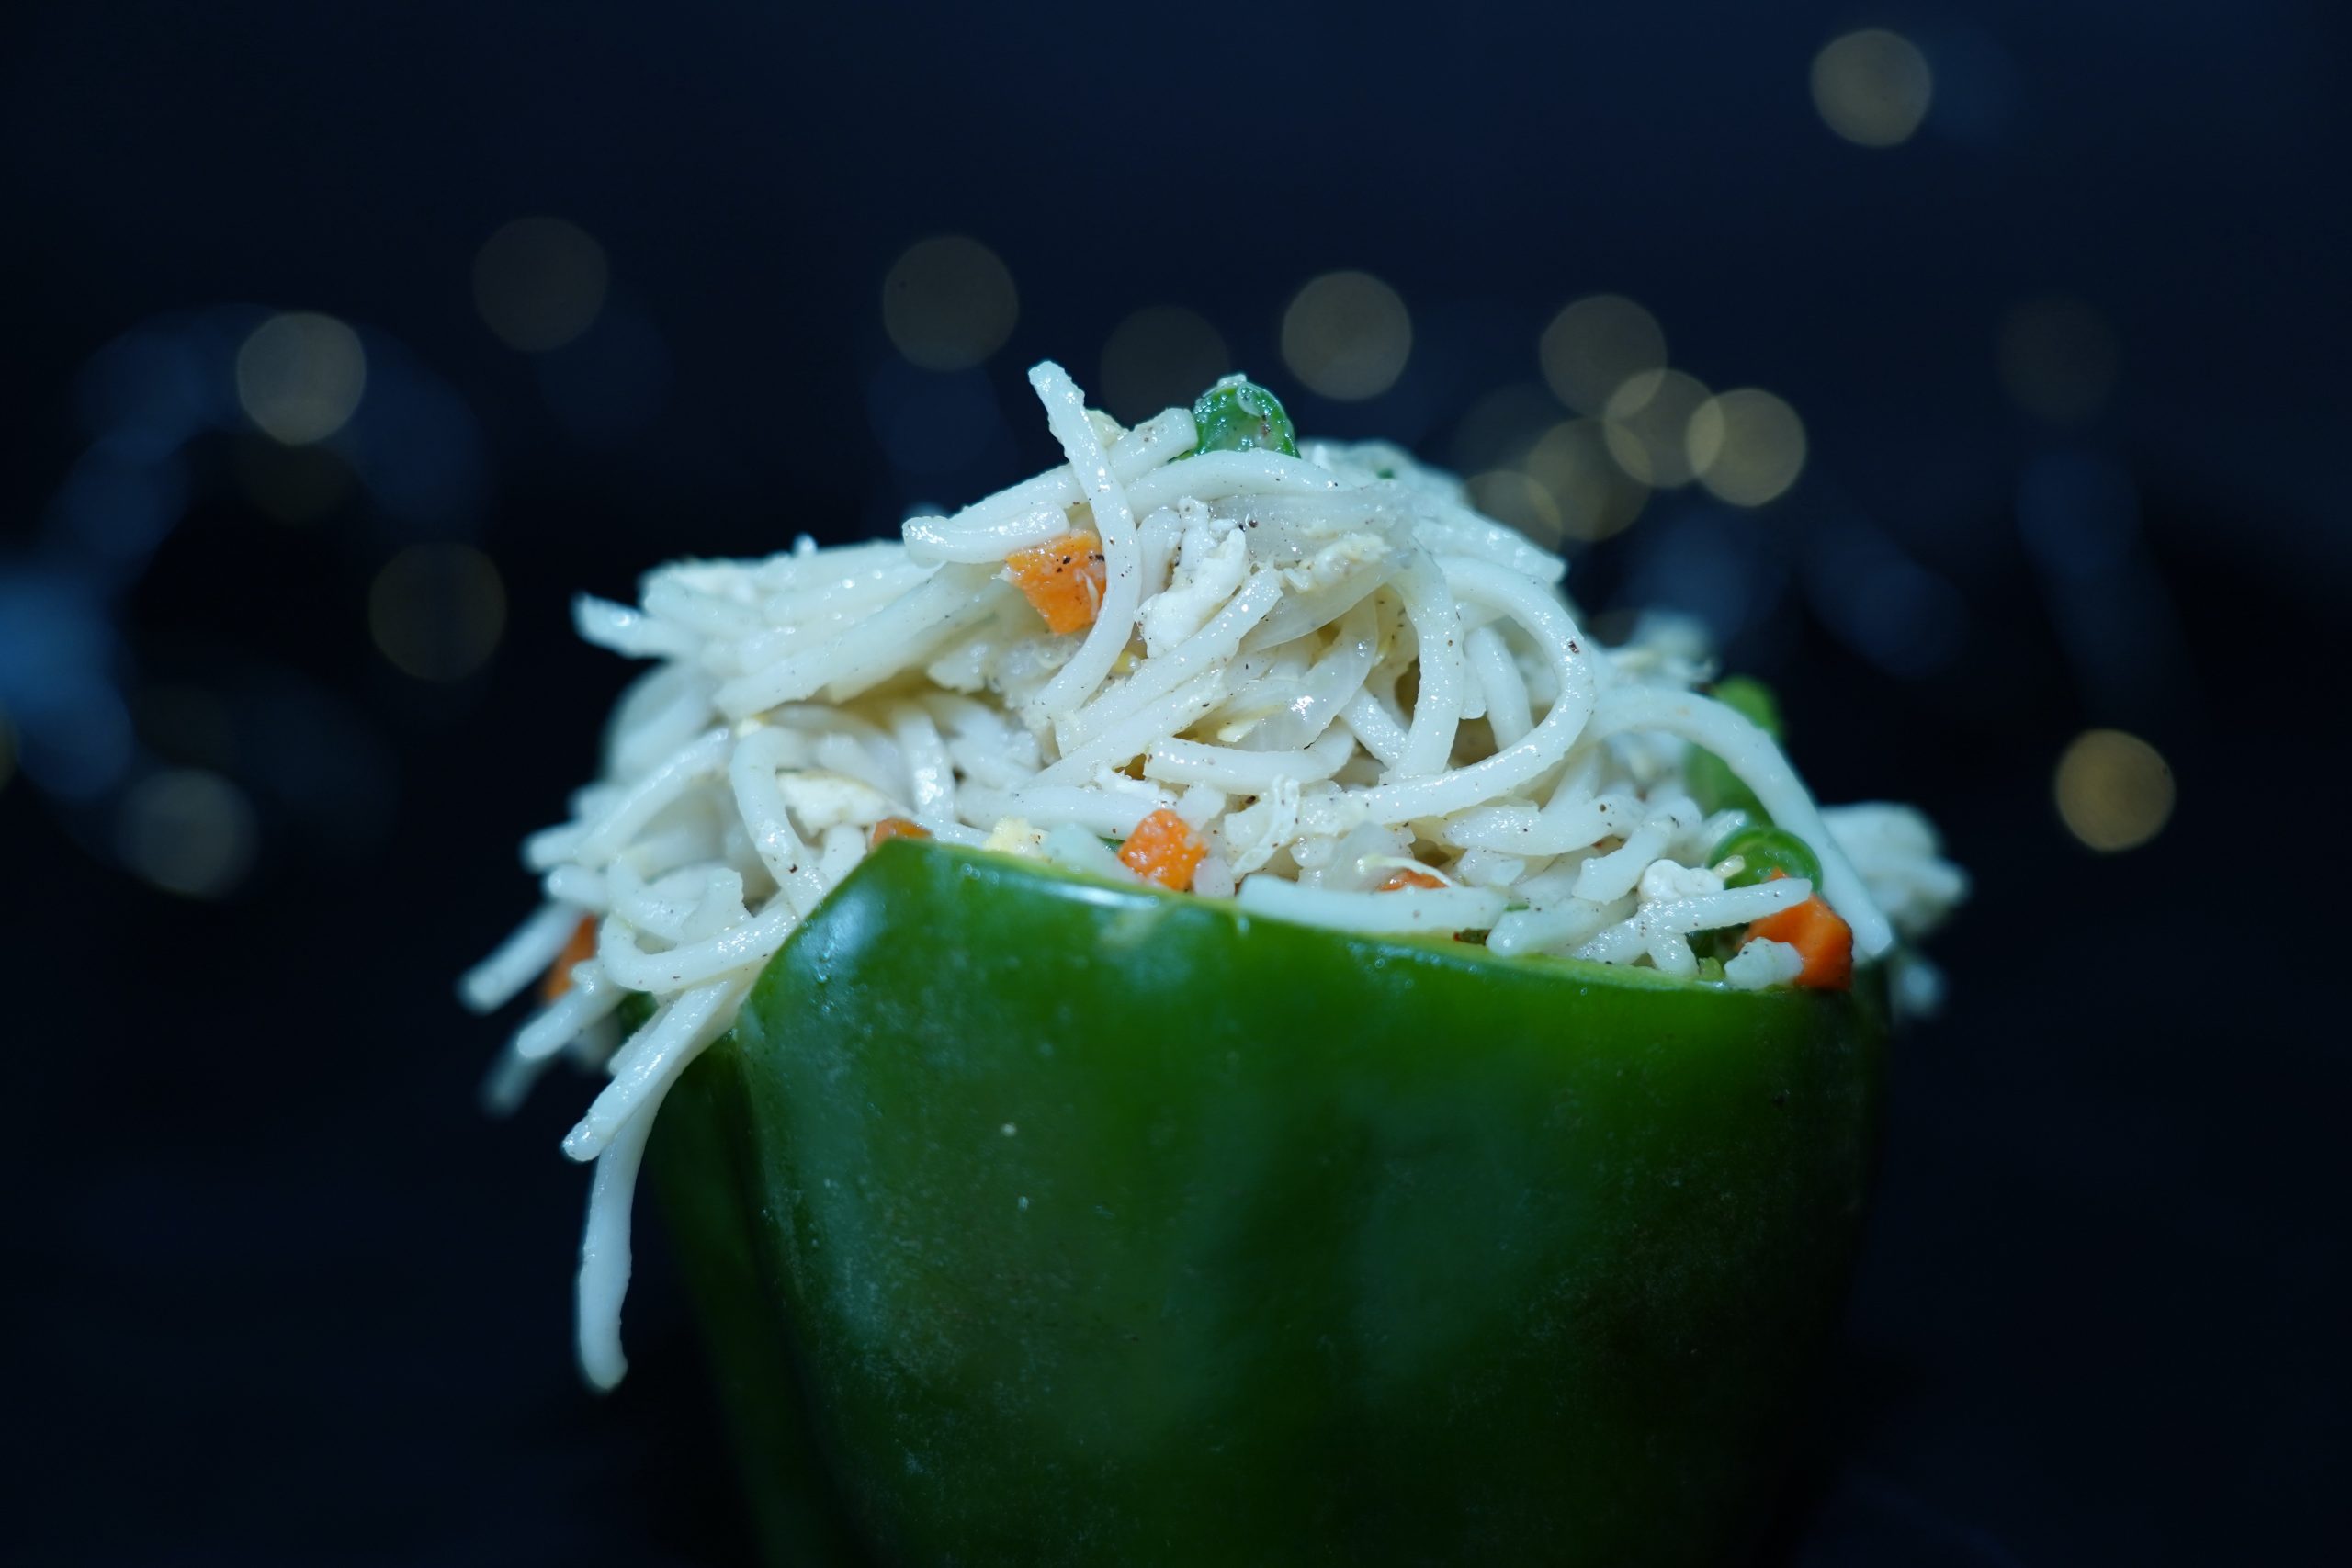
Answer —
(1039, 1221)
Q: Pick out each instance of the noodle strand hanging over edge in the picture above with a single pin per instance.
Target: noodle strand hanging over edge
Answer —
(1372, 703)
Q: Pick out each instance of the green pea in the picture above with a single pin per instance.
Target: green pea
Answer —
(1763, 851)
(1239, 415)
(1713, 784)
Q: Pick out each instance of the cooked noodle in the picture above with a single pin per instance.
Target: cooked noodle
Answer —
(1328, 665)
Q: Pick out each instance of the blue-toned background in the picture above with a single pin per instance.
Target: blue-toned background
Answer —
(343, 344)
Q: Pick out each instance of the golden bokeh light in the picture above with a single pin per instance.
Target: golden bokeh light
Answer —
(1512, 496)
(948, 303)
(1596, 345)
(1595, 498)
(1746, 445)
(437, 612)
(188, 831)
(301, 376)
(1347, 336)
(1162, 356)
(2114, 790)
(1646, 423)
(1872, 88)
(539, 283)
(2058, 359)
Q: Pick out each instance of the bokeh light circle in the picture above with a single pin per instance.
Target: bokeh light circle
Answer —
(948, 303)
(437, 612)
(1872, 88)
(1594, 345)
(1162, 356)
(2114, 790)
(1347, 336)
(1595, 496)
(1647, 423)
(539, 283)
(1746, 446)
(188, 831)
(300, 377)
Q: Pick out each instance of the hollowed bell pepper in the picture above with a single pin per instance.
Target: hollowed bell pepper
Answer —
(1035, 1219)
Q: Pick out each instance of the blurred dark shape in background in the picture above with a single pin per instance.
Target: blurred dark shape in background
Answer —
(1978, 375)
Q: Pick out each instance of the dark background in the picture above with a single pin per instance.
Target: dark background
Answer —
(277, 1291)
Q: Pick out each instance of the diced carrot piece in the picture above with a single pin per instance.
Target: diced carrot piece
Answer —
(578, 950)
(1821, 939)
(1410, 878)
(1165, 849)
(895, 828)
(1063, 578)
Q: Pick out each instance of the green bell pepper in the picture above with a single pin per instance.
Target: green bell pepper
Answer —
(1036, 1220)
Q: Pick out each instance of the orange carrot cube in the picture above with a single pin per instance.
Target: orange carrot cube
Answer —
(1164, 849)
(1062, 579)
(1821, 939)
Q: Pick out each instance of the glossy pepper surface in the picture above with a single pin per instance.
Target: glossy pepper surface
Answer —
(1035, 1219)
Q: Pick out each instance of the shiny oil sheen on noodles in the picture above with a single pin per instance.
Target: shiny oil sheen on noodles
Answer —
(1310, 679)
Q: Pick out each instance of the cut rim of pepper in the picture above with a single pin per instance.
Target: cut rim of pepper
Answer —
(1141, 897)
